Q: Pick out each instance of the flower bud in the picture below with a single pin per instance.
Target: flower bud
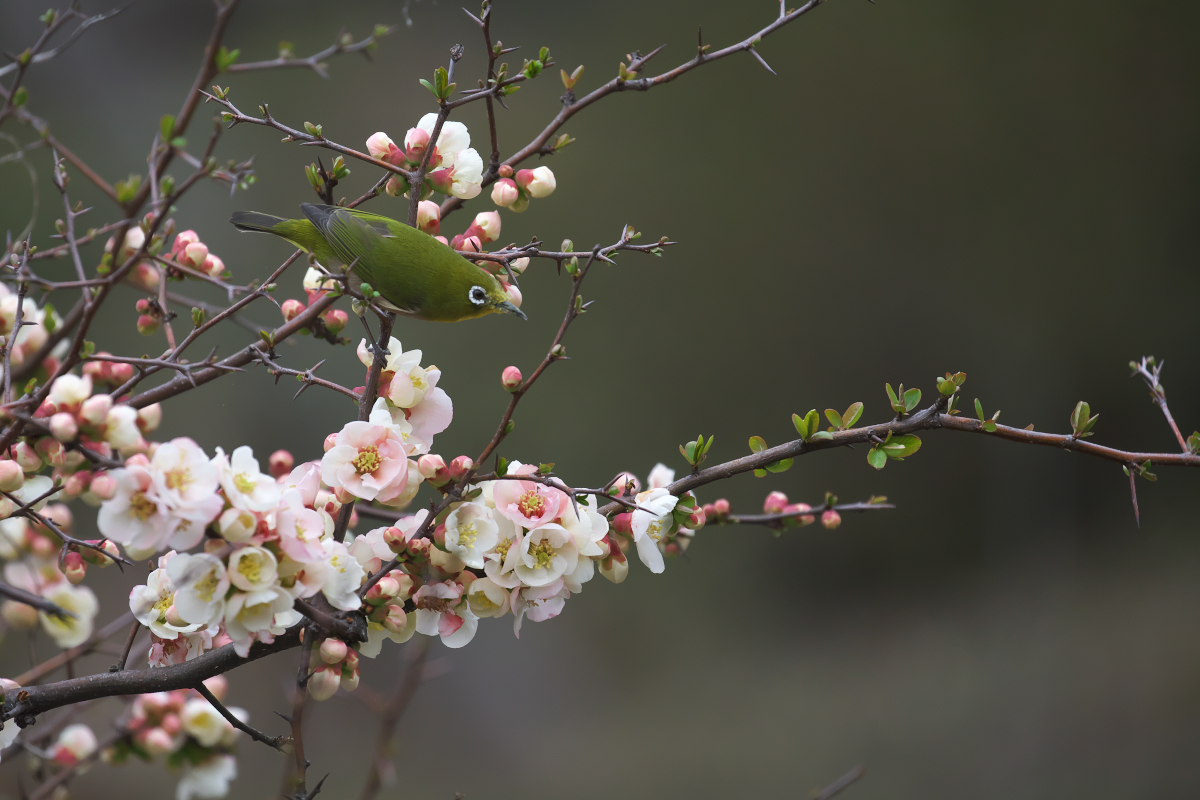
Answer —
(330, 442)
(77, 483)
(156, 741)
(12, 477)
(805, 519)
(697, 519)
(333, 651)
(51, 451)
(103, 486)
(519, 265)
(615, 569)
(147, 324)
(280, 463)
(511, 378)
(349, 679)
(74, 567)
(775, 503)
(381, 146)
(383, 591)
(27, 457)
(74, 744)
(396, 620)
(64, 427)
(538, 182)
(831, 519)
(506, 171)
(622, 523)
(237, 525)
(335, 320)
(146, 276)
(720, 507)
(291, 308)
(505, 192)
(488, 224)
(395, 539)
(194, 254)
(213, 266)
(514, 294)
(433, 469)
(415, 142)
(395, 186)
(94, 410)
(149, 418)
(135, 237)
(323, 684)
(429, 216)
(18, 615)
(460, 466)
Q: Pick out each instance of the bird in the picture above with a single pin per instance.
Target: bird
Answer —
(414, 274)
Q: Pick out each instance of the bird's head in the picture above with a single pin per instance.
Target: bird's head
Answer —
(485, 295)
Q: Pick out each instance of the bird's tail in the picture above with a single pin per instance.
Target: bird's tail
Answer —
(254, 221)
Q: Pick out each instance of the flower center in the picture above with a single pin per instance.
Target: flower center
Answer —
(368, 460)
(531, 504)
(244, 483)
(162, 606)
(251, 567)
(468, 534)
(142, 507)
(178, 478)
(542, 553)
(208, 587)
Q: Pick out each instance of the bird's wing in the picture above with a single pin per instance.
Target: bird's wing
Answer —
(359, 241)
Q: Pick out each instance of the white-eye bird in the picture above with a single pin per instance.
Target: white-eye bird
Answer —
(415, 274)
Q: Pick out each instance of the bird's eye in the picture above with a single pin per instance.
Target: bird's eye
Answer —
(478, 295)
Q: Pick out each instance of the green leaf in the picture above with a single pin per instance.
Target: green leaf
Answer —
(757, 444)
(546, 468)
(226, 58)
(20, 96)
(167, 127)
(760, 473)
(852, 415)
(911, 398)
(892, 397)
(835, 419)
(782, 465)
(502, 466)
(979, 410)
(901, 446)
(820, 436)
(877, 458)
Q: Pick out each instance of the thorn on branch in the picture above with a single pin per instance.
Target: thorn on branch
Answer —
(754, 52)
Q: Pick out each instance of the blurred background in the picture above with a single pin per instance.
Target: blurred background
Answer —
(1007, 190)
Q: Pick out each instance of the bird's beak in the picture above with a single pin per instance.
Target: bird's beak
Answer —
(504, 305)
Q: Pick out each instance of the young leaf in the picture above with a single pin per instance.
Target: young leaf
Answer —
(877, 458)
(852, 415)
(911, 398)
(835, 419)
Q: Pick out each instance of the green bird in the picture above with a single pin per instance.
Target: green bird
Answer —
(415, 274)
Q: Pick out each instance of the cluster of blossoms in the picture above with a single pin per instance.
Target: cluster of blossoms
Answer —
(36, 324)
(776, 503)
(187, 254)
(74, 744)
(74, 418)
(183, 727)
(455, 168)
(515, 189)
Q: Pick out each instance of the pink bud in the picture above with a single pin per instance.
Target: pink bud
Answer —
(77, 483)
(94, 410)
(213, 266)
(831, 519)
(441, 180)
(775, 503)
(183, 239)
(281, 463)
(12, 477)
(51, 451)
(103, 486)
(135, 237)
(720, 507)
(323, 684)
(149, 418)
(505, 192)
(395, 186)
(144, 305)
(335, 320)
(27, 457)
(519, 265)
(121, 373)
(292, 308)
(415, 142)
(468, 243)
(384, 590)
(147, 324)
(194, 254)
(806, 519)
(395, 539)
(460, 466)
(146, 276)
(74, 567)
(330, 442)
(514, 294)
(156, 741)
(433, 468)
(171, 723)
(381, 146)
(488, 223)
(697, 519)
(396, 619)
(621, 523)
(538, 182)
(511, 378)
(429, 216)
(333, 651)
(626, 484)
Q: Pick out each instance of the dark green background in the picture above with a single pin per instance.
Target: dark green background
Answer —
(1005, 189)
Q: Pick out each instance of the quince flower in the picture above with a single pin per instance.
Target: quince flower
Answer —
(650, 522)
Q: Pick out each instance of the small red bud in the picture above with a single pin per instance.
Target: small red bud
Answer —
(511, 378)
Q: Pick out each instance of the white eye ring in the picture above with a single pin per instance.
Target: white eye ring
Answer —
(477, 295)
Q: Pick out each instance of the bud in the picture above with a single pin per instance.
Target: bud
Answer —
(415, 142)
(697, 519)
(12, 477)
(323, 684)
(194, 254)
(147, 324)
(538, 182)
(330, 442)
(27, 457)
(135, 237)
(831, 519)
(775, 503)
(429, 217)
(103, 486)
(514, 294)
(74, 567)
(621, 523)
(333, 651)
(396, 620)
(460, 466)
(146, 276)
(505, 192)
(720, 507)
(506, 171)
(488, 224)
(433, 468)
(383, 591)
(335, 320)
(94, 410)
(64, 427)
(76, 483)
(381, 146)
(74, 744)
(51, 451)
(121, 373)
(519, 265)
(395, 186)
(156, 741)
(280, 463)
(18, 615)
(805, 519)
(511, 378)
(468, 243)
(149, 418)
(213, 266)
(237, 525)
(292, 308)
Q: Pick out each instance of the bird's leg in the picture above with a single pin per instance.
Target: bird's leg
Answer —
(373, 347)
